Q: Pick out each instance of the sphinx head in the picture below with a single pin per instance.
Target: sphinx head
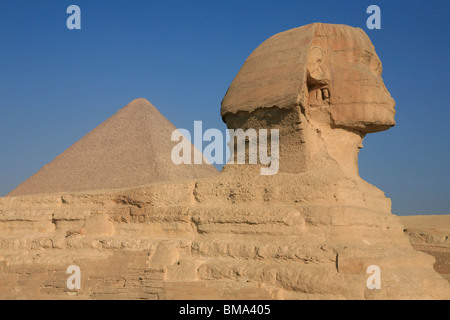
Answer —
(319, 78)
(343, 75)
(320, 66)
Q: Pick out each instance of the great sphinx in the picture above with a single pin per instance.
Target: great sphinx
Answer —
(309, 232)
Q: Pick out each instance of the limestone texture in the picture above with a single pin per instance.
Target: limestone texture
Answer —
(309, 232)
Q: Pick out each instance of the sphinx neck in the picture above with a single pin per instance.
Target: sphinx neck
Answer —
(338, 145)
(304, 145)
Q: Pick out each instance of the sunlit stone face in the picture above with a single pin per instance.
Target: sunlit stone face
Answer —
(332, 71)
(344, 73)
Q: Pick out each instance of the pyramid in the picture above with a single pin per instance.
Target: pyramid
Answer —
(130, 149)
(315, 230)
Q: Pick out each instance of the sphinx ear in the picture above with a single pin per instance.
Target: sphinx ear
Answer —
(318, 73)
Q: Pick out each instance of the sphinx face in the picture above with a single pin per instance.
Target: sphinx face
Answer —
(331, 70)
(344, 72)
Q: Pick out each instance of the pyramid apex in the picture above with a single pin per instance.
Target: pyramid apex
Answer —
(139, 101)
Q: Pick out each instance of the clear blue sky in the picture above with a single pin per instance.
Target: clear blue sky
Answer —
(56, 85)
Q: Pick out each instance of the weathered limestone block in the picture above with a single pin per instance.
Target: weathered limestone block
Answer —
(431, 234)
(309, 232)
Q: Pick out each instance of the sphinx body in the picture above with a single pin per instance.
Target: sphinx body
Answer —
(309, 232)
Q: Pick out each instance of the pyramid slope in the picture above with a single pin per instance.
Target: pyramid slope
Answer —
(130, 149)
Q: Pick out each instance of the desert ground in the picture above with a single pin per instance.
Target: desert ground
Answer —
(431, 234)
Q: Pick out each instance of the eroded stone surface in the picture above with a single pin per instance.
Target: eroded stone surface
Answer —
(431, 234)
(309, 232)
(247, 238)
